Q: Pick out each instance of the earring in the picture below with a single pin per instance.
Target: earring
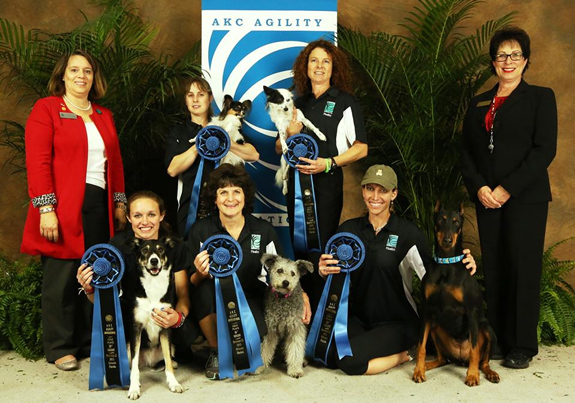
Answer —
(391, 207)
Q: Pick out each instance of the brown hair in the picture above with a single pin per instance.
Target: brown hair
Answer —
(165, 229)
(56, 84)
(230, 175)
(340, 75)
(203, 85)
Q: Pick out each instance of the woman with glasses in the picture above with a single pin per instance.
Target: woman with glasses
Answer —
(509, 140)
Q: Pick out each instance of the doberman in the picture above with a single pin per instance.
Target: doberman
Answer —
(453, 307)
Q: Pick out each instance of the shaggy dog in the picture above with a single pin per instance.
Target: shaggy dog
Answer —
(279, 104)
(283, 310)
(230, 119)
(150, 343)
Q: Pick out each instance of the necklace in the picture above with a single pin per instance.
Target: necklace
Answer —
(76, 106)
(493, 113)
(380, 228)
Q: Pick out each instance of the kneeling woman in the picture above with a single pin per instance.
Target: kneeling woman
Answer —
(146, 211)
(230, 193)
(383, 322)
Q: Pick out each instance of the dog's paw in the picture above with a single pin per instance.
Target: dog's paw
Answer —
(418, 376)
(134, 393)
(260, 370)
(175, 387)
(304, 362)
(295, 373)
(472, 380)
(285, 188)
(493, 377)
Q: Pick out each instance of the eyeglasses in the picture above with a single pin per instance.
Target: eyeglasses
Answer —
(515, 56)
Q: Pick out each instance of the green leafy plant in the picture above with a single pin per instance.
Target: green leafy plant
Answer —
(141, 85)
(415, 91)
(557, 315)
(20, 307)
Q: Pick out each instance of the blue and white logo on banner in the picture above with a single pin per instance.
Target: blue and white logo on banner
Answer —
(249, 44)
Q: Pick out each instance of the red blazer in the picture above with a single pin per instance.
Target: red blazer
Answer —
(56, 160)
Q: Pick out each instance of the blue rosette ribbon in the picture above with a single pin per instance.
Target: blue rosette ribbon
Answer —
(330, 322)
(238, 336)
(306, 232)
(212, 143)
(109, 355)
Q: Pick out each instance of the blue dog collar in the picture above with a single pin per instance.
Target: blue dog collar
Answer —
(449, 260)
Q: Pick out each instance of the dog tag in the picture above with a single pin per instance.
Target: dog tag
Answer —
(68, 115)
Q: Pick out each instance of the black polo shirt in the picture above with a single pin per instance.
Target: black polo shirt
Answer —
(338, 116)
(381, 287)
(257, 237)
(177, 142)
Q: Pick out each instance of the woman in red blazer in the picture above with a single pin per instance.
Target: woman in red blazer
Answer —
(76, 183)
(509, 140)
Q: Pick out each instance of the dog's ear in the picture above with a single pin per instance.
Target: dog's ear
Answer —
(437, 206)
(228, 101)
(134, 243)
(247, 104)
(304, 267)
(268, 260)
(268, 91)
(169, 241)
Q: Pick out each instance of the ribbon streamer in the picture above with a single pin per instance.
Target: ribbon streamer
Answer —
(332, 313)
(212, 143)
(238, 336)
(306, 232)
(109, 355)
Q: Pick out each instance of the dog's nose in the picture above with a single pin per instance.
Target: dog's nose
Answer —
(447, 240)
(285, 109)
(285, 283)
(154, 261)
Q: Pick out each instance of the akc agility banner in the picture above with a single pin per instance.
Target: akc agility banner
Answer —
(251, 43)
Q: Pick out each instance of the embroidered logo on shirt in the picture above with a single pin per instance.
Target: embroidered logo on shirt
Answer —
(391, 242)
(329, 107)
(256, 243)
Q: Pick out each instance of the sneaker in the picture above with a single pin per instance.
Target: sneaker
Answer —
(213, 366)
(517, 360)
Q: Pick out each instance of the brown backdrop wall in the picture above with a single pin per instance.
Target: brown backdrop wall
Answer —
(549, 24)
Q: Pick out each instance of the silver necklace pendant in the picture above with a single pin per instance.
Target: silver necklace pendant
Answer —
(491, 147)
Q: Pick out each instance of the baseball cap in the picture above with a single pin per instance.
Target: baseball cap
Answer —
(382, 175)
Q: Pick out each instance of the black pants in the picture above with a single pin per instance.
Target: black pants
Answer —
(328, 190)
(512, 241)
(67, 316)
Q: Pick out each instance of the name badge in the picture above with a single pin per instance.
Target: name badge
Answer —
(483, 103)
(68, 115)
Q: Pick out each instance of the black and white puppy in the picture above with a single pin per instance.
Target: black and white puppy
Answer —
(279, 104)
(230, 119)
(149, 342)
(283, 309)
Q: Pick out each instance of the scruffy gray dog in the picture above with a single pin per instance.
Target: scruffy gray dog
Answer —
(283, 312)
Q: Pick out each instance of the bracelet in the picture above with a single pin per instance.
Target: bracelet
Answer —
(44, 210)
(327, 165)
(87, 291)
(181, 320)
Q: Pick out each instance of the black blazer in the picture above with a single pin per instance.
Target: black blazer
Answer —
(525, 140)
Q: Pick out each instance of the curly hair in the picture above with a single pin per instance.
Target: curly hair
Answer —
(56, 86)
(340, 75)
(229, 175)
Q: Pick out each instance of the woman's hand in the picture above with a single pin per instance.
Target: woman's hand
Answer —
(120, 216)
(313, 166)
(501, 195)
(327, 265)
(487, 198)
(469, 262)
(49, 226)
(306, 317)
(165, 318)
(84, 276)
(202, 264)
(294, 127)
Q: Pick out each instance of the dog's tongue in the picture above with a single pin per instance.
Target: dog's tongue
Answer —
(154, 271)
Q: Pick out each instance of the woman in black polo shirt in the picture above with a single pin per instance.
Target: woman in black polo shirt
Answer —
(383, 322)
(323, 85)
(230, 193)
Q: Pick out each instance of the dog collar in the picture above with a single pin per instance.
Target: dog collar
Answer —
(449, 260)
(278, 294)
